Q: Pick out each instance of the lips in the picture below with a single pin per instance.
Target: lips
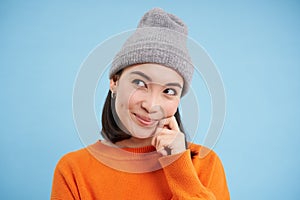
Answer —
(144, 121)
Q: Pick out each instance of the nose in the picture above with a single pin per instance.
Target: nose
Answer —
(152, 104)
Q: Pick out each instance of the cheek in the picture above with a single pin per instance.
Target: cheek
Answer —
(128, 98)
(170, 108)
(121, 100)
(135, 98)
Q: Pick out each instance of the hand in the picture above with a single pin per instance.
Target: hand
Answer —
(168, 139)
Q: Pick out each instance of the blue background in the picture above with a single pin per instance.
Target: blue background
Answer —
(255, 45)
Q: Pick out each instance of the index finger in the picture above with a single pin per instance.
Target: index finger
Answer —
(171, 122)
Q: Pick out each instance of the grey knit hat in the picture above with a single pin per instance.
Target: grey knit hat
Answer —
(159, 38)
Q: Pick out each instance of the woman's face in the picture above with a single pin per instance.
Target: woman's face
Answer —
(145, 95)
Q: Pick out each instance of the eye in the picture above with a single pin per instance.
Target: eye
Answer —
(170, 91)
(139, 83)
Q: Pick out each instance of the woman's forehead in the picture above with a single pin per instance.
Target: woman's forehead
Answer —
(154, 72)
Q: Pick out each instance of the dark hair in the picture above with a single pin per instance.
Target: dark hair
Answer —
(110, 128)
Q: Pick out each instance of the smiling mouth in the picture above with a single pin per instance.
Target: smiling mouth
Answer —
(144, 121)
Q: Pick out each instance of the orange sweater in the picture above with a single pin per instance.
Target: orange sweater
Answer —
(103, 172)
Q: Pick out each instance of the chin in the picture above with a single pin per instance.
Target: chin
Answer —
(146, 133)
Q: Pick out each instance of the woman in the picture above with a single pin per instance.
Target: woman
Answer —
(144, 154)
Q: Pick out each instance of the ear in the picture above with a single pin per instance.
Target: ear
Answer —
(113, 85)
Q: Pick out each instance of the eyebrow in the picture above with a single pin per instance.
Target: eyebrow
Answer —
(149, 79)
(174, 84)
(142, 74)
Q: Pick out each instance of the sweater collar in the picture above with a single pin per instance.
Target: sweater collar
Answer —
(146, 149)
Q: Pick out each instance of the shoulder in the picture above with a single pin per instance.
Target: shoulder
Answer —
(203, 155)
(207, 164)
(201, 151)
(74, 158)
